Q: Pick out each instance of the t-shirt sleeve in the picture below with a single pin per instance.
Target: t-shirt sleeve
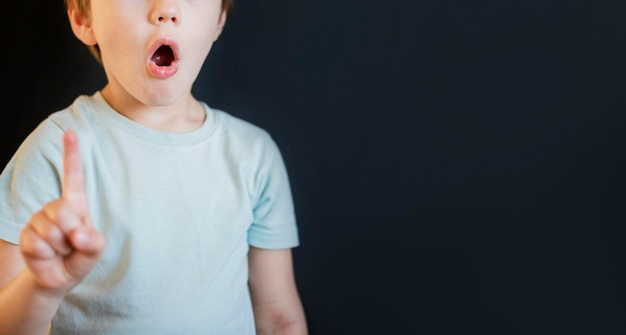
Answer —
(30, 179)
(274, 224)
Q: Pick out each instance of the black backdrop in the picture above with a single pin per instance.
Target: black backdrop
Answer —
(457, 166)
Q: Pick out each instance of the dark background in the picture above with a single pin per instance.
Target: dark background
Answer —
(457, 166)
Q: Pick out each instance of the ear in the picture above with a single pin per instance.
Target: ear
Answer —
(220, 25)
(81, 26)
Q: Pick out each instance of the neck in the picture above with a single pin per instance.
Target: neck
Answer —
(183, 116)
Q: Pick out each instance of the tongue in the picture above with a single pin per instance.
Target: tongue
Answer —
(163, 56)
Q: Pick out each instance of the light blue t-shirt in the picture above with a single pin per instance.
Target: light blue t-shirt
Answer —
(179, 212)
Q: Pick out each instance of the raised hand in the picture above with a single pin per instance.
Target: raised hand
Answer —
(59, 244)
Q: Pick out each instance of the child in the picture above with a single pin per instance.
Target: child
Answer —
(139, 209)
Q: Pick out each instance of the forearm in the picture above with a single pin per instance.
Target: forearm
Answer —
(275, 299)
(280, 318)
(295, 327)
(26, 308)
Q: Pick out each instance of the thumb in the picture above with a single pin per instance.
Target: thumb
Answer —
(88, 244)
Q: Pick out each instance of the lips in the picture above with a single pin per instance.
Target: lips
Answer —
(163, 61)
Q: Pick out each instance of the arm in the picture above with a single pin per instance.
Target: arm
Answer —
(26, 309)
(57, 248)
(275, 299)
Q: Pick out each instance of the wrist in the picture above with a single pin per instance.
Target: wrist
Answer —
(42, 290)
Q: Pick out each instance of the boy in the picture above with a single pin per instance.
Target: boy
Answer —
(139, 209)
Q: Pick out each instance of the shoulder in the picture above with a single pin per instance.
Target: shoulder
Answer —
(244, 129)
(76, 116)
(243, 135)
(46, 140)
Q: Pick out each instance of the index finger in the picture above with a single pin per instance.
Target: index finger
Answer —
(73, 188)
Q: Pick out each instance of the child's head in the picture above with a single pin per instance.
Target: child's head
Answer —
(151, 50)
(84, 7)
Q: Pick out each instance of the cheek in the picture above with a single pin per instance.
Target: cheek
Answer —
(202, 48)
(114, 32)
(120, 44)
(199, 37)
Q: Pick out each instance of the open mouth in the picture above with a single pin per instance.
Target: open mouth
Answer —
(164, 61)
(163, 56)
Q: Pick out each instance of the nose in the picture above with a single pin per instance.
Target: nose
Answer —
(165, 11)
